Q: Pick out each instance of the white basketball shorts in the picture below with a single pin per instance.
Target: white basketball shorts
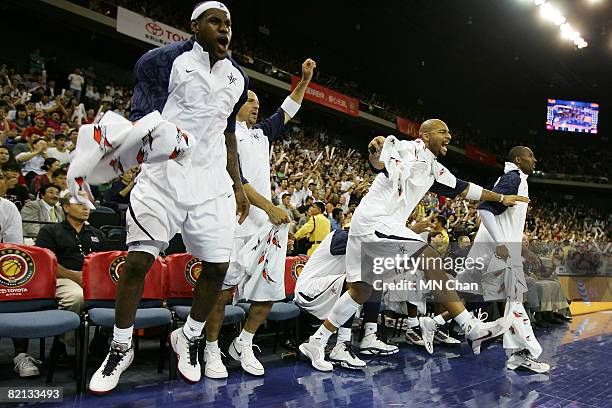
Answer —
(154, 217)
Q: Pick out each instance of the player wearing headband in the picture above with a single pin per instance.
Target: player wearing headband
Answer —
(198, 87)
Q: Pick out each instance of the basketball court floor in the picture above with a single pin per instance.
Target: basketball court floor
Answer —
(580, 354)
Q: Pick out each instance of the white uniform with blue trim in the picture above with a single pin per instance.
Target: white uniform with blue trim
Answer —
(195, 199)
(501, 281)
(254, 153)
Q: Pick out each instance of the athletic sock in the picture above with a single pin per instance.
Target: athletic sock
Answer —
(462, 318)
(370, 328)
(212, 345)
(344, 335)
(123, 336)
(439, 320)
(412, 322)
(322, 335)
(192, 328)
(246, 337)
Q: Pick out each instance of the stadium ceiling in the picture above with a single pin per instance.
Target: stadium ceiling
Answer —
(457, 57)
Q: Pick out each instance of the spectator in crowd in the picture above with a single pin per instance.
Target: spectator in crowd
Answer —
(22, 121)
(59, 151)
(50, 165)
(5, 155)
(76, 83)
(38, 128)
(33, 159)
(337, 219)
(316, 228)
(307, 203)
(293, 214)
(120, 190)
(439, 223)
(43, 210)
(436, 240)
(10, 233)
(71, 241)
(16, 193)
(60, 179)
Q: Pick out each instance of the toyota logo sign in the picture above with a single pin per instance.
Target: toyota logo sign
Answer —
(154, 29)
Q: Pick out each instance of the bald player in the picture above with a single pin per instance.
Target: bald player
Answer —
(408, 170)
(254, 152)
(501, 234)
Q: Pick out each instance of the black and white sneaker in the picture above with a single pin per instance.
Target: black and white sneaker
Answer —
(524, 359)
(186, 351)
(444, 339)
(413, 336)
(342, 354)
(118, 359)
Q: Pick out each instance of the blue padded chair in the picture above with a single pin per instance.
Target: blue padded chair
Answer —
(27, 301)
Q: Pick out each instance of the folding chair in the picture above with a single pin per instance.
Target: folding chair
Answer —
(100, 276)
(28, 310)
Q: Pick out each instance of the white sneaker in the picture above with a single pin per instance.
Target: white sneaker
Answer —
(186, 351)
(106, 378)
(214, 367)
(479, 333)
(428, 329)
(315, 351)
(243, 352)
(343, 355)
(25, 365)
(371, 345)
(524, 359)
(442, 338)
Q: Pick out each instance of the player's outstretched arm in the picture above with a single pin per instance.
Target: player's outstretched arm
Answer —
(477, 193)
(277, 215)
(242, 202)
(298, 93)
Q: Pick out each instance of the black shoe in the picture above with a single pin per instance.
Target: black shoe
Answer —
(62, 355)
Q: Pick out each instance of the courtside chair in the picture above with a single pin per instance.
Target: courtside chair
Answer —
(28, 310)
(286, 310)
(101, 272)
(182, 272)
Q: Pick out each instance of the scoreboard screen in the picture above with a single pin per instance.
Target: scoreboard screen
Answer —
(572, 116)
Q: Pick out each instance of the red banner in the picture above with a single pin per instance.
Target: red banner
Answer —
(408, 127)
(326, 97)
(483, 156)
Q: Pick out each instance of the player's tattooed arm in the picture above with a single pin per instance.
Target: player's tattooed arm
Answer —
(242, 202)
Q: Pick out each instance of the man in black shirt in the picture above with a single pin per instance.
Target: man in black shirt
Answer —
(17, 193)
(71, 241)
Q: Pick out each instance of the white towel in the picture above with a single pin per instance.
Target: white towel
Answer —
(106, 150)
(406, 163)
(263, 257)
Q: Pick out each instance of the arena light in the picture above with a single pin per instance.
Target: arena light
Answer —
(551, 13)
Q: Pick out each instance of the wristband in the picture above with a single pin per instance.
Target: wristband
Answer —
(290, 106)
(474, 192)
(501, 198)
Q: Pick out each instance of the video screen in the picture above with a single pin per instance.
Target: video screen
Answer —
(572, 116)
